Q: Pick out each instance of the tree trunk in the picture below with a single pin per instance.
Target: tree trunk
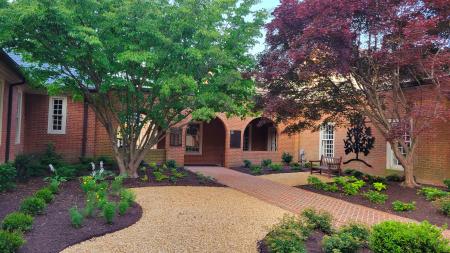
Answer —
(407, 163)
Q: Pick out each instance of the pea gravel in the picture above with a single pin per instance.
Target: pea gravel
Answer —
(190, 219)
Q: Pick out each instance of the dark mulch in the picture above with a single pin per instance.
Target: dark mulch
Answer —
(191, 179)
(312, 245)
(52, 232)
(424, 209)
(10, 201)
(266, 171)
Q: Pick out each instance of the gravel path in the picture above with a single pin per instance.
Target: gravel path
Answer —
(294, 179)
(190, 219)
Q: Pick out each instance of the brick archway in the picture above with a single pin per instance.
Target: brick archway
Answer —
(212, 139)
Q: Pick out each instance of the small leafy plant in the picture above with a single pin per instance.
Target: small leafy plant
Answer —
(33, 206)
(443, 204)
(76, 218)
(266, 162)
(432, 193)
(318, 220)
(123, 207)
(379, 186)
(10, 242)
(255, 169)
(128, 196)
(275, 167)
(117, 184)
(109, 212)
(247, 163)
(202, 179)
(17, 221)
(286, 158)
(447, 183)
(45, 194)
(349, 238)
(288, 235)
(159, 176)
(376, 197)
(7, 177)
(400, 206)
(171, 164)
(352, 188)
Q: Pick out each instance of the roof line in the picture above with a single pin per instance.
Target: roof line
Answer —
(11, 63)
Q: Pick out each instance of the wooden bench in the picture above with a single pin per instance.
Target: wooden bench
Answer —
(327, 164)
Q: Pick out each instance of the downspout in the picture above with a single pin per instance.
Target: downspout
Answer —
(8, 119)
(85, 129)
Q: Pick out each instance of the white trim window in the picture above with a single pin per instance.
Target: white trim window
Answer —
(272, 139)
(194, 140)
(391, 161)
(326, 145)
(57, 115)
(19, 117)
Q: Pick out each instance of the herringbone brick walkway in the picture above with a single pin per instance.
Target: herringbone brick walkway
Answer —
(295, 199)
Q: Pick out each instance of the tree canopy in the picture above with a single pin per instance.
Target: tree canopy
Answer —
(328, 59)
(142, 66)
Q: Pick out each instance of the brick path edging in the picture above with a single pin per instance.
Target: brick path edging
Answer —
(295, 200)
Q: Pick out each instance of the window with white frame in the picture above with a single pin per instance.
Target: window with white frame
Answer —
(18, 117)
(327, 140)
(57, 114)
(392, 161)
(194, 138)
(271, 139)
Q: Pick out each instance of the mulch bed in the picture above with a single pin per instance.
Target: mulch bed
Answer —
(52, 231)
(191, 179)
(424, 209)
(312, 245)
(267, 171)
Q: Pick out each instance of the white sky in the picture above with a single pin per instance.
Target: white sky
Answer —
(269, 5)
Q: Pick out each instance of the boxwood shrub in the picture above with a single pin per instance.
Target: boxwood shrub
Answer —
(10, 242)
(33, 206)
(399, 237)
(17, 221)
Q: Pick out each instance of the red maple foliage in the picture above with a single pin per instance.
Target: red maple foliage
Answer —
(386, 59)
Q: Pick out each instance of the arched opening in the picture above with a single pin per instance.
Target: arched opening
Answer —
(260, 135)
(205, 143)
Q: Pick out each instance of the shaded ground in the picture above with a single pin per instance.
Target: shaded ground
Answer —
(190, 219)
(294, 179)
(424, 209)
(267, 171)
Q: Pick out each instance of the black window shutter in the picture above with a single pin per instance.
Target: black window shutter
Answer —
(175, 136)
(235, 139)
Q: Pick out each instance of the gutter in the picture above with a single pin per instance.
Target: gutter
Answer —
(9, 116)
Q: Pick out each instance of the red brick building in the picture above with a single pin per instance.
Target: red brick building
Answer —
(32, 119)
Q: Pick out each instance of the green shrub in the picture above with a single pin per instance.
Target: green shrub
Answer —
(171, 164)
(123, 207)
(45, 194)
(375, 179)
(76, 218)
(318, 220)
(10, 242)
(26, 166)
(247, 163)
(67, 171)
(296, 166)
(109, 212)
(202, 179)
(88, 184)
(7, 177)
(400, 206)
(275, 167)
(432, 193)
(288, 235)
(342, 242)
(394, 178)
(128, 196)
(447, 183)
(399, 237)
(316, 183)
(286, 158)
(89, 209)
(350, 238)
(376, 197)
(159, 176)
(33, 206)
(117, 184)
(352, 188)
(255, 169)
(331, 187)
(53, 186)
(17, 221)
(266, 162)
(443, 204)
(379, 186)
(175, 173)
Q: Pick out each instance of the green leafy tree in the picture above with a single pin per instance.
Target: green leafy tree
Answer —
(143, 66)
